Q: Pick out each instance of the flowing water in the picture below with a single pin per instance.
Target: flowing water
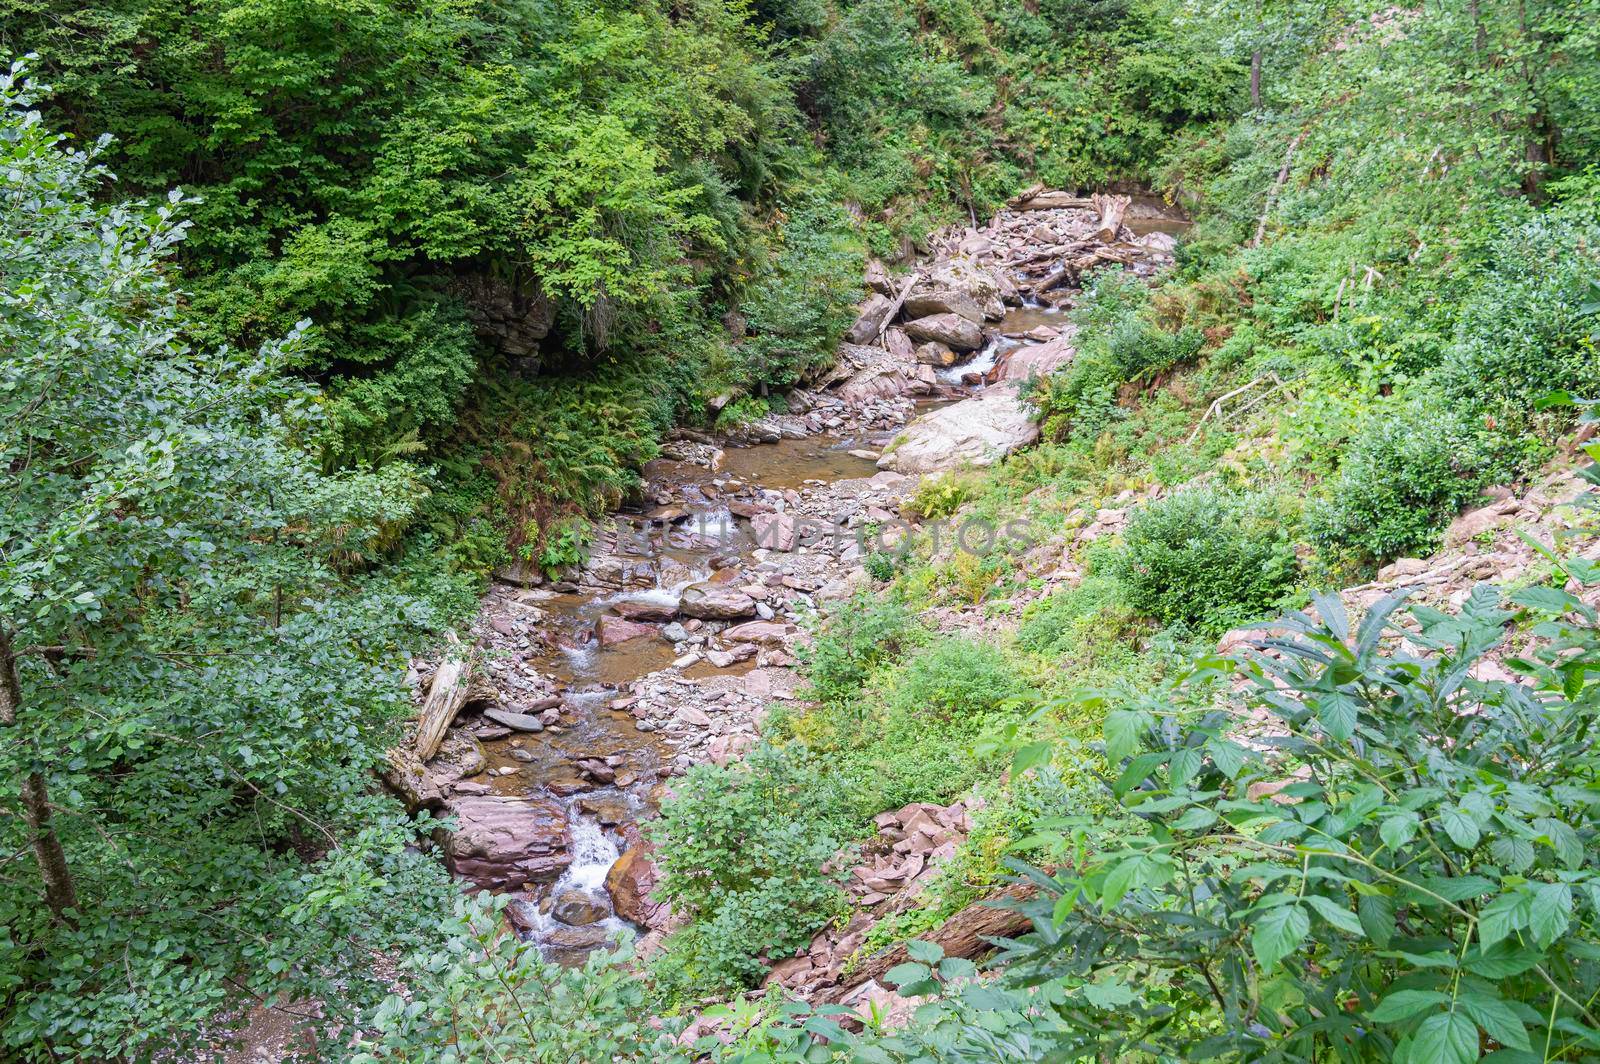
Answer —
(692, 538)
(691, 534)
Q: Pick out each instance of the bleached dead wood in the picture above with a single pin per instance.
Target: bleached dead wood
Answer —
(1053, 201)
(447, 693)
(1277, 187)
(1111, 209)
(894, 308)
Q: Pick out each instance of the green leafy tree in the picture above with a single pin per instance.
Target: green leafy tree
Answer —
(195, 681)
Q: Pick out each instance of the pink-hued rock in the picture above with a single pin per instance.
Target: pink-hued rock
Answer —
(614, 630)
(659, 612)
(775, 531)
(1038, 360)
(502, 842)
(712, 601)
(768, 633)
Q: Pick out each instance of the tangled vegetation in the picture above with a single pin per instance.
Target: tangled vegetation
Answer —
(409, 292)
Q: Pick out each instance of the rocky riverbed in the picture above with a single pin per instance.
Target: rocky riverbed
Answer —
(586, 694)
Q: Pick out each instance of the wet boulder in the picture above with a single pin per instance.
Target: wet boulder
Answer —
(502, 842)
(643, 610)
(614, 630)
(713, 601)
(952, 330)
(629, 882)
(933, 353)
(578, 908)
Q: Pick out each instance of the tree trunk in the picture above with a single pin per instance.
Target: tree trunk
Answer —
(59, 893)
(1111, 209)
(1255, 80)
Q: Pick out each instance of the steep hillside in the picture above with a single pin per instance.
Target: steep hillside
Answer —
(814, 531)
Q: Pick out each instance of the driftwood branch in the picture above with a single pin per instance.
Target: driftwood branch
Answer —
(894, 307)
(447, 693)
(1051, 201)
(1111, 209)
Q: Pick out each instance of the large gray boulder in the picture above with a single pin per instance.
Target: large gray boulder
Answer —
(874, 312)
(923, 304)
(975, 432)
(952, 330)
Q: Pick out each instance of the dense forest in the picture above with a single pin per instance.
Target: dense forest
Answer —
(334, 332)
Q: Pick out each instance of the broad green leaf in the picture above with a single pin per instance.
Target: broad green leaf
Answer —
(1400, 1005)
(1336, 914)
(1277, 932)
(1460, 825)
(1448, 1038)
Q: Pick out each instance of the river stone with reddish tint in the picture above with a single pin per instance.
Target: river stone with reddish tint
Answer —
(630, 610)
(629, 882)
(1038, 360)
(502, 842)
(712, 601)
(770, 633)
(775, 531)
(614, 630)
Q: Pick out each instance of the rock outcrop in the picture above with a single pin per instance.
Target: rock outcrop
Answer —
(501, 843)
(977, 432)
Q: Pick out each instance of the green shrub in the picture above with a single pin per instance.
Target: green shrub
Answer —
(1523, 332)
(861, 635)
(1206, 557)
(1405, 476)
(740, 850)
(954, 679)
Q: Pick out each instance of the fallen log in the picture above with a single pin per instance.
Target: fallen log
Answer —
(446, 695)
(1053, 201)
(1111, 209)
(963, 935)
(894, 308)
(1277, 187)
(1059, 275)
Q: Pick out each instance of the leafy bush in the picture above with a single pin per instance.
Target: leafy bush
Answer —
(1403, 478)
(478, 993)
(860, 636)
(942, 495)
(953, 679)
(1204, 556)
(1406, 873)
(740, 851)
(1523, 331)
